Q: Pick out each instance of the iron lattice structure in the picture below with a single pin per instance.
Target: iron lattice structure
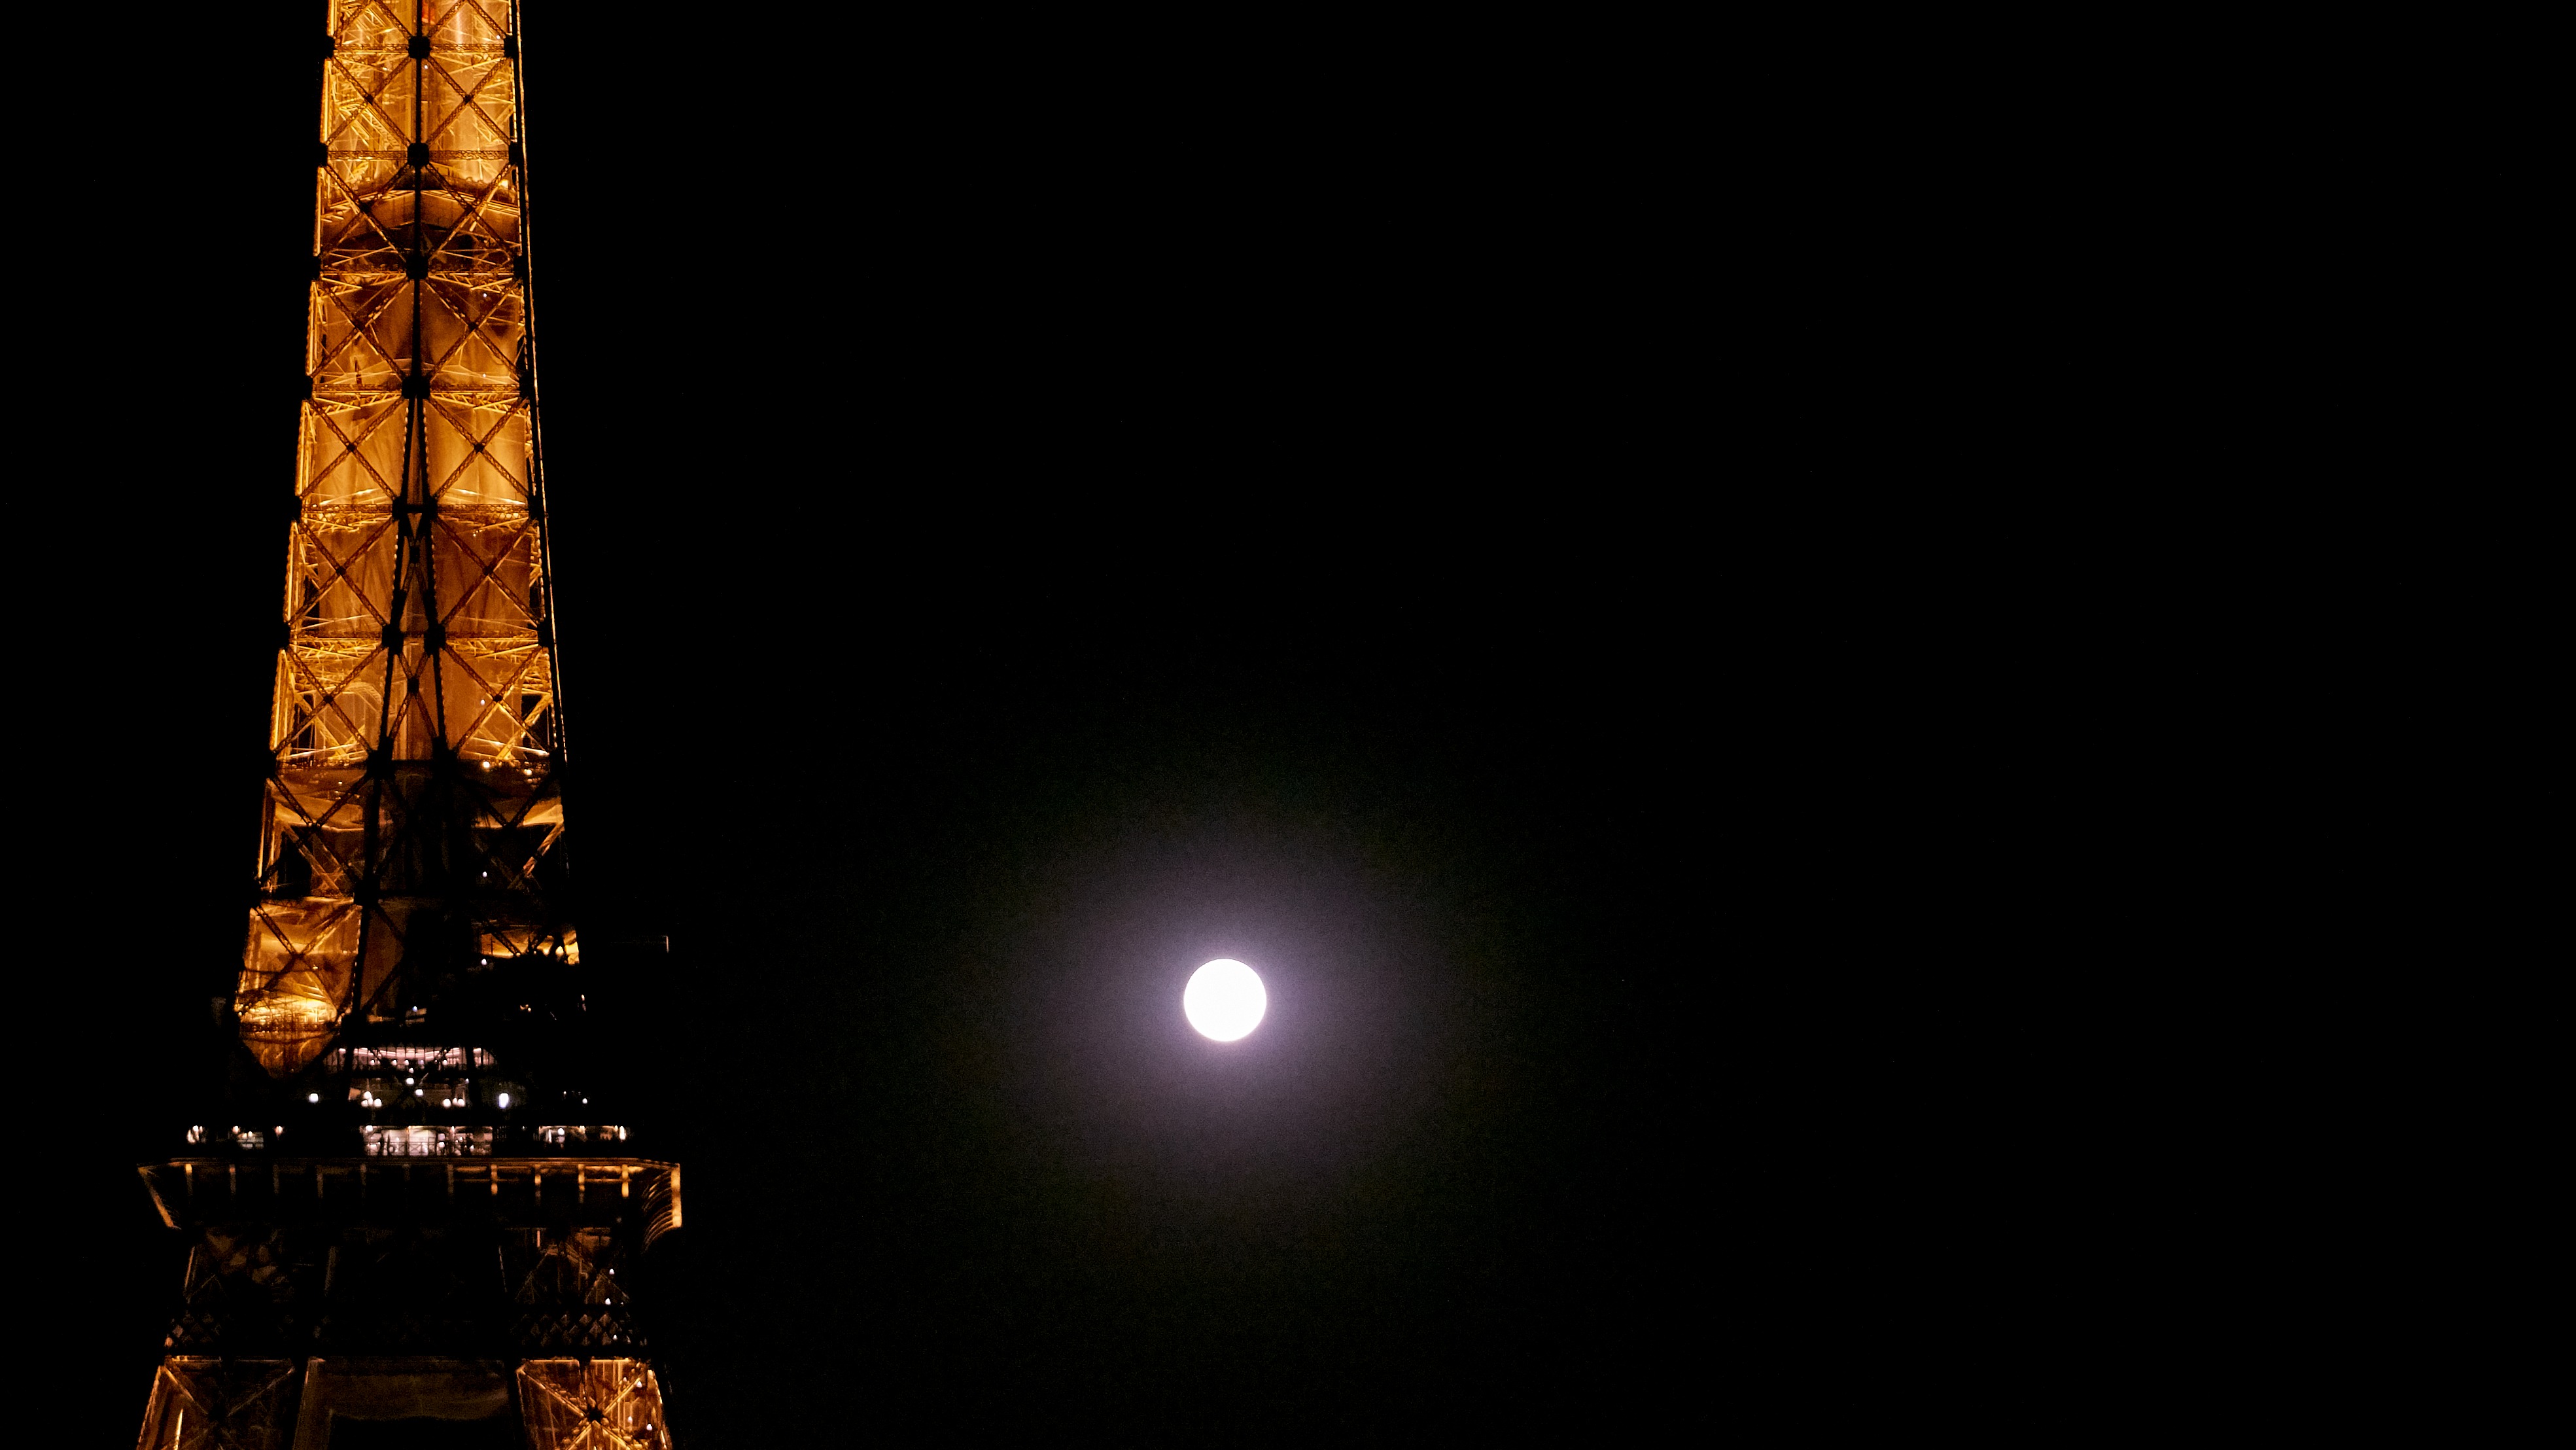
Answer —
(457, 1239)
(414, 794)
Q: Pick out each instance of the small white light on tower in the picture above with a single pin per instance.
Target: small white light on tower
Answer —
(505, 1100)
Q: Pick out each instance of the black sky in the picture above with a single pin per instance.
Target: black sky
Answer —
(1020, 539)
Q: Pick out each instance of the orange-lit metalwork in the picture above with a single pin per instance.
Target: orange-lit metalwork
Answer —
(417, 723)
(447, 1240)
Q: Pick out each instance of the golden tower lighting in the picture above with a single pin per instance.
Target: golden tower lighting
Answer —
(414, 1210)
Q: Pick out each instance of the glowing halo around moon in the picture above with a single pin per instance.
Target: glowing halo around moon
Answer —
(1224, 1000)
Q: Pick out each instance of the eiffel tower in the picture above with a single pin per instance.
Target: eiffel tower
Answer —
(423, 1219)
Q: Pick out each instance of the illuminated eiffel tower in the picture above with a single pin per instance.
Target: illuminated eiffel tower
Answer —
(414, 1226)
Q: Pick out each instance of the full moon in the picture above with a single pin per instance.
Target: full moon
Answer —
(1224, 1000)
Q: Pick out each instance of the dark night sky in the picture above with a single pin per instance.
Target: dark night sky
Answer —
(1018, 542)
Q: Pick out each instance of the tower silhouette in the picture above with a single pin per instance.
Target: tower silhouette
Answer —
(423, 1217)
